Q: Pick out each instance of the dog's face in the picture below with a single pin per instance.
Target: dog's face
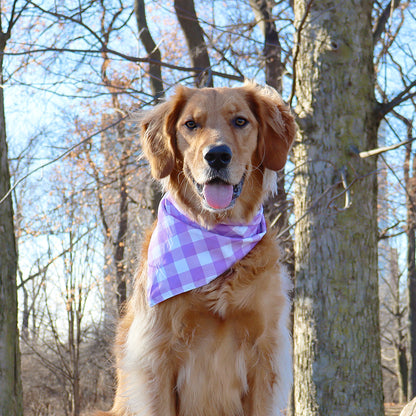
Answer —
(216, 136)
(215, 145)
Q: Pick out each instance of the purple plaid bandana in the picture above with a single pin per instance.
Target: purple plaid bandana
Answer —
(183, 255)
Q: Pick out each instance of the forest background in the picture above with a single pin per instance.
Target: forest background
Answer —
(73, 72)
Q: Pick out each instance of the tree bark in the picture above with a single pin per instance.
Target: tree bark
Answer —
(185, 11)
(410, 183)
(123, 211)
(337, 363)
(262, 10)
(155, 72)
(402, 372)
(73, 305)
(120, 242)
(399, 339)
(10, 384)
(156, 81)
(277, 207)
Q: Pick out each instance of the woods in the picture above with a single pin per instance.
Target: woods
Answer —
(72, 178)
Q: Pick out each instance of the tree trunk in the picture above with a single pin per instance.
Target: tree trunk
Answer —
(25, 313)
(276, 207)
(155, 72)
(74, 329)
(10, 384)
(122, 172)
(410, 182)
(402, 372)
(185, 11)
(337, 363)
(399, 339)
(120, 242)
(273, 66)
(156, 82)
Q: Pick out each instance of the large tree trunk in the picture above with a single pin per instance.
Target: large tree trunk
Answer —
(10, 385)
(337, 364)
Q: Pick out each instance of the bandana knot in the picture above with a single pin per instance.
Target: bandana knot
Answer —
(183, 255)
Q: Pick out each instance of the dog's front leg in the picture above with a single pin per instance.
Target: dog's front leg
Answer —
(268, 390)
(147, 377)
(148, 393)
(164, 395)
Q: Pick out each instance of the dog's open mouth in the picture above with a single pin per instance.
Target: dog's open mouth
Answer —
(219, 194)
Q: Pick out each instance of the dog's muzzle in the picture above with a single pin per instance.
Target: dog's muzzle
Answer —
(217, 192)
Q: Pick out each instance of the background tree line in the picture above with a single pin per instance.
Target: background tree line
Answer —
(73, 73)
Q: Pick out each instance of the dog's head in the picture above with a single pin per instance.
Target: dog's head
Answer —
(216, 146)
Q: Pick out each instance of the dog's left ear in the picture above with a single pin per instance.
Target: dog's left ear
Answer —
(277, 127)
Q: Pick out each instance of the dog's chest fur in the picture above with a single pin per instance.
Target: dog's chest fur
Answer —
(214, 338)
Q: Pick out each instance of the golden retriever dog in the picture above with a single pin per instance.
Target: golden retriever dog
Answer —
(219, 346)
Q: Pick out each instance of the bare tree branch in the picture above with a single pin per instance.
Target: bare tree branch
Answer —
(44, 269)
(127, 58)
(380, 25)
(384, 149)
(62, 155)
(385, 108)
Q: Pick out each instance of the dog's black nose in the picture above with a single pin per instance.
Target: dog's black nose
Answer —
(218, 157)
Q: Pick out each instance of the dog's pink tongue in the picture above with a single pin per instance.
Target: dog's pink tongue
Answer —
(218, 196)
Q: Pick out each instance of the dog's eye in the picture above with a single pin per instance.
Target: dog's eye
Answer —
(191, 125)
(240, 121)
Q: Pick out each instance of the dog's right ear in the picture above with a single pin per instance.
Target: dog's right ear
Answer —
(158, 133)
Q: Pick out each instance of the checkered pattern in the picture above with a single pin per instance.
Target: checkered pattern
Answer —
(184, 256)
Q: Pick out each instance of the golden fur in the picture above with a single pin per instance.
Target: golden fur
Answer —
(223, 349)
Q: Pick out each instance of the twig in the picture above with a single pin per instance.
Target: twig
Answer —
(384, 149)
(383, 109)
(50, 262)
(307, 212)
(127, 58)
(62, 155)
(346, 191)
